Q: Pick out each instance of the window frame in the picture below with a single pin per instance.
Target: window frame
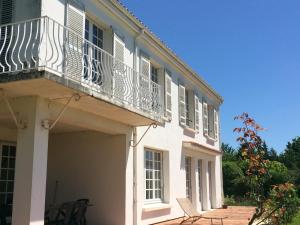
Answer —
(8, 168)
(188, 174)
(154, 200)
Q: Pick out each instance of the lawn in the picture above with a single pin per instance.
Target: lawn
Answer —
(296, 220)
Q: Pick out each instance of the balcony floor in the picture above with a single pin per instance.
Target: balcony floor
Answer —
(236, 215)
(58, 89)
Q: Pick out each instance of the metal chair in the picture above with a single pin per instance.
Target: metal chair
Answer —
(80, 209)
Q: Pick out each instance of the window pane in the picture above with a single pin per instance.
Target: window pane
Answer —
(3, 174)
(12, 152)
(158, 194)
(4, 163)
(9, 198)
(10, 186)
(11, 175)
(5, 150)
(2, 186)
(2, 198)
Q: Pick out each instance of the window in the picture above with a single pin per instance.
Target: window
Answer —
(182, 108)
(200, 179)
(7, 175)
(153, 175)
(188, 121)
(93, 54)
(154, 74)
(188, 177)
(210, 121)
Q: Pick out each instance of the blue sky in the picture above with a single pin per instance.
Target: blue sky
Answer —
(249, 51)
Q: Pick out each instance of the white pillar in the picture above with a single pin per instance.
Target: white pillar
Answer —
(31, 164)
(218, 182)
(205, 185)
(195, 184)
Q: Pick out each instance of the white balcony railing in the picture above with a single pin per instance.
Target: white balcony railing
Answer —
(44, 44)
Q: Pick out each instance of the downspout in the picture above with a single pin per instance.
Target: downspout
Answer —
(134, 208)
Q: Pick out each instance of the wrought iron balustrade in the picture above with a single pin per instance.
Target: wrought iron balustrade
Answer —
(44, 44)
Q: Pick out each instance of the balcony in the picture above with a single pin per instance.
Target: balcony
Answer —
(43, 57)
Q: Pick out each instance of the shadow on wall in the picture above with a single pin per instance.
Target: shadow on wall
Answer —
(155, 213)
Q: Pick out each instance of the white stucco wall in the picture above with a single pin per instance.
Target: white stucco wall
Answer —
(89, 165)
(92, 155)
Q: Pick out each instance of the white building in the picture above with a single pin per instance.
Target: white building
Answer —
(82, 84)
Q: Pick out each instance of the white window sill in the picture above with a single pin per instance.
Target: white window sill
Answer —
(155, 207)
(166, 119)
(211, 138)
(190, 130)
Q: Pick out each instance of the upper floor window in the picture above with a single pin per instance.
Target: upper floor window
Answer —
(210, 121)
(154, 74)
(188, 108)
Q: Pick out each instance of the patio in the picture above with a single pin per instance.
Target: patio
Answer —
(236, 215)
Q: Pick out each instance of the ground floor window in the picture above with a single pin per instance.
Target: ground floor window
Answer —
(200, 179)
(153, 176)
(7, 175)
(188, 175)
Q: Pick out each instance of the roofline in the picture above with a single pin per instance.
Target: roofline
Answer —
(157, 41)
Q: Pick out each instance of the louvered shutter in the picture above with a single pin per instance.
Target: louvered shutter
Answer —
(75, 21)
(205, 117)
(119, 48)
(6, 11)
(119, 67)
(216, 124)
(182, 111)
(168, 95)
(145, 67)
(196, 113)
(144, 84)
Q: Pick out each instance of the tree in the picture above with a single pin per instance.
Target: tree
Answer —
(229, 153)
(291, 155)
(258, 172)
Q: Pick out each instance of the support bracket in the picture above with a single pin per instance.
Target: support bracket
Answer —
(131, 144)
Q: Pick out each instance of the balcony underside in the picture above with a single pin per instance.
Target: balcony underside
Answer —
(53, 87)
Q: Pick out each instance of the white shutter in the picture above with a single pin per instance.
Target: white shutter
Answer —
(181, 98)
(119, 68)
(119, 48)
(196, 113)
(145, 67)
(168, 95)
(7, 8)
(205, 117)
(144, 84)
(216, 124)
(75, 21)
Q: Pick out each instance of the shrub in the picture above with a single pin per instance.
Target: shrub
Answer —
(234, 179)
(282, 204)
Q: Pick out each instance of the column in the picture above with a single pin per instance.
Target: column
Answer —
(31, 164)
(195, 184)
(205, 184)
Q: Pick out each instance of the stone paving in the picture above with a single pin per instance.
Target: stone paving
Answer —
(236, 215)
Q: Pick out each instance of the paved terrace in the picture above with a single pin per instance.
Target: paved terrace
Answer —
(237, 215)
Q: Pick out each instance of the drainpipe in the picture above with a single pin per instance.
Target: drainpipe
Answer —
(135, 196)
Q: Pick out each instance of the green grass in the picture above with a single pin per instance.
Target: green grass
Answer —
(296, 220)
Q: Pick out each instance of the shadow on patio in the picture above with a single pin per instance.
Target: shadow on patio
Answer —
(236, 215)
